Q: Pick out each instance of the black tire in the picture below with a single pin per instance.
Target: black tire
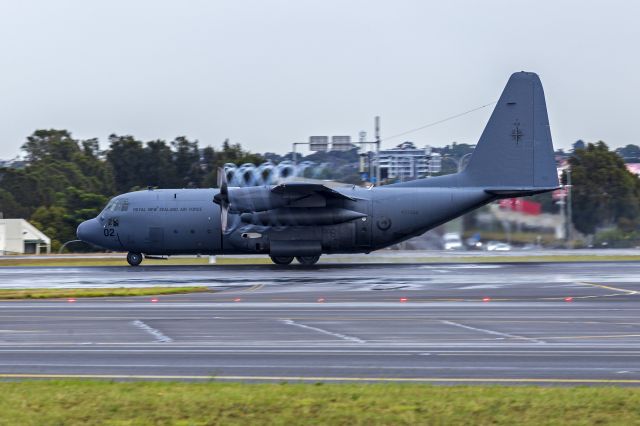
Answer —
(307, 260)
(134, 259)
(281, 260)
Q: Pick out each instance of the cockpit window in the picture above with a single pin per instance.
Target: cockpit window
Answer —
(122, 205)
(118, 205)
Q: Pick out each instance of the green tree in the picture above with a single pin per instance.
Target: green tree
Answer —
(158, 168)
(604, 192)
(56, 144)
(126, 157)
(187, 162)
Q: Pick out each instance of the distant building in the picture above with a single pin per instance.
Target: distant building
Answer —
(406, 162)
(633, 168)
(17, 236)
(14, 163)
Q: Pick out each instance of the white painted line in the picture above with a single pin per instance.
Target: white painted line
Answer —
(323, 331)
(160, 338)
(492, 332)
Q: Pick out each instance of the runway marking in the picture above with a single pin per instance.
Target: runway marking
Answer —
(160, 337)
(254, 287)
(610, 336)
(493, 332)
(320, 378)
(606, 287)
(323, 331)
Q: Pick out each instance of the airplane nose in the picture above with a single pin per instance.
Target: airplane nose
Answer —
(87, 230)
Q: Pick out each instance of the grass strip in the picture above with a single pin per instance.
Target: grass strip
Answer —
(165, 403)
(55, 293)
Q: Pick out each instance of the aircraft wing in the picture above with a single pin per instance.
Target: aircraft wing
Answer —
(301, 190)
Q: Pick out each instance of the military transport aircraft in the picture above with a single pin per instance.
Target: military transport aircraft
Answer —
(514, 157)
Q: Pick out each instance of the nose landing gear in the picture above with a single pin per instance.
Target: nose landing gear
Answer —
(134, 259)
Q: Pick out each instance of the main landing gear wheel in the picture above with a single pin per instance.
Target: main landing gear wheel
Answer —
(134, 259)
(307, 260)
(281, 260)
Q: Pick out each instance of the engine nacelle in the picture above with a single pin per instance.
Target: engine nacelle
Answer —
(300, 216)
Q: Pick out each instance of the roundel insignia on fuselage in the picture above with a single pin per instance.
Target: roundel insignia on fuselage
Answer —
(384, 223)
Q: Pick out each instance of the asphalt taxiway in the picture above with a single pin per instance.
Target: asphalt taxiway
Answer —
(550, 323)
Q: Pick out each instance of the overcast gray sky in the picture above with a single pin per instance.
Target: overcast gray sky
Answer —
(267, 73)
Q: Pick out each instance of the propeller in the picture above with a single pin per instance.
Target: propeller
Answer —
(222, 198)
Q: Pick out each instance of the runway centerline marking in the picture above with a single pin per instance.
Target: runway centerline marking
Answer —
(492, 332)
(323, 331)
(159, 336)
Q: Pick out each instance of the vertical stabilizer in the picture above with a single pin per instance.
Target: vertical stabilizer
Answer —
(515, 150)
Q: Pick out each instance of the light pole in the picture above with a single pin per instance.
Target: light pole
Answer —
(294, 153)
(569, 209)
(460, 164)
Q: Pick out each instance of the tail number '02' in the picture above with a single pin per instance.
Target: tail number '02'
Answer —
(109, 232)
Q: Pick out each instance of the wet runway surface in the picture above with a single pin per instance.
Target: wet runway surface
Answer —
(504, 323)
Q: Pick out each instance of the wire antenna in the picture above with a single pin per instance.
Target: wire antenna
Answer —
(440, 121)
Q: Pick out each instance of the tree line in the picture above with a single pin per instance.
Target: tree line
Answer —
(67, 180)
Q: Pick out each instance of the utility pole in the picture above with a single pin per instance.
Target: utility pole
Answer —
(377, 122)
(294, 153)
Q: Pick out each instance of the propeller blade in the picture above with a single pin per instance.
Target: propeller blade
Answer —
(224, 216)
(222, 198)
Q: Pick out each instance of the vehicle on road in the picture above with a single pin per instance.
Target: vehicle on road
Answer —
(452, 241)
(514, 157)
(497, 246)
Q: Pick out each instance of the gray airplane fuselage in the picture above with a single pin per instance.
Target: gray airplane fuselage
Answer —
(187, 221)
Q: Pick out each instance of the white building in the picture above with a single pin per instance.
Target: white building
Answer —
(406, 162)
(17, 236)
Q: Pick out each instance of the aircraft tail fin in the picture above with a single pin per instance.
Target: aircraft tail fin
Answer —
(515, 151)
